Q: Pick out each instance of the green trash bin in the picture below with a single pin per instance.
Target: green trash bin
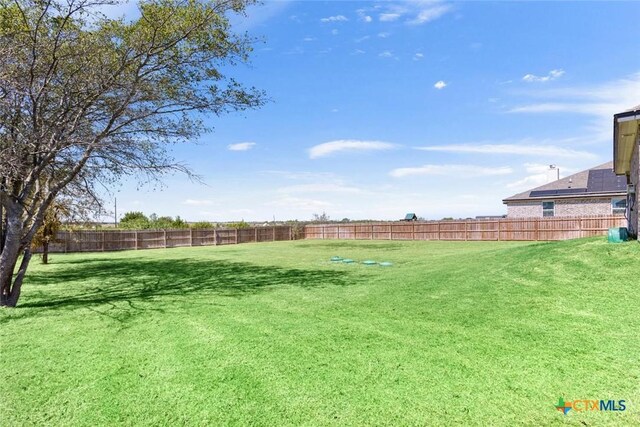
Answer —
(618, 235)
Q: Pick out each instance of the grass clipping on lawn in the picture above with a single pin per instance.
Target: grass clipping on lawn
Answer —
(467, 333)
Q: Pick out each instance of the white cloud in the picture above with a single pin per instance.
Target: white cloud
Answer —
(241, 146)
(361, 39)
(440, 85)
(429, 14)
(309, 39)
(337, 18)
(564, 107)
(242, 211)
(418, 56)
(363, 15)
(539, 175)
(197, 202)
(295, 51)
(601, 101)
(386, 54)
(384, 35)
(299, 203)
(412, 12)
(335, 32)
(389, 17)
(348, 145)
(304, 176)
(526, 149)
(553, 75)
(320, 188)
(358, 52)
(458, 171)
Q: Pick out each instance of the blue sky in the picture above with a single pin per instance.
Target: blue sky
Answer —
(387, 107)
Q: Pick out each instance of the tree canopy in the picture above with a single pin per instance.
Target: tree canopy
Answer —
(85, 99)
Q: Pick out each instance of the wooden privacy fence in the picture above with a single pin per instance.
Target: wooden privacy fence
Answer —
(498, 229)
(115, 240)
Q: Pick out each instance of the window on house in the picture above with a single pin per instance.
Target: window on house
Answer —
(548, 208)
(619, 205)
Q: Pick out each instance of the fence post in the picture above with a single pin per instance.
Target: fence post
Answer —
(580, 226)
(499, 227)
(103, 241)
(164, 237)
(274, 233)
(191, 237)
(536, 223)
(290, 233)
(236, 235)
(322, 231)
(66, 242)
(466, 226)
(255, 234)
(136, 236)
(371, 231)
(438, 230)
(390, 231)
(215, 237)
(413, 231)
(338, 232)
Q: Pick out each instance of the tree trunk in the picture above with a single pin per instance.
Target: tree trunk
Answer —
(10, 286)
(8, 261)
(45, 252)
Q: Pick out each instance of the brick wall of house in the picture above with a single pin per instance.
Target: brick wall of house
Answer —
(583, 207)
(634, 223)
(563, 207)
(524, 209)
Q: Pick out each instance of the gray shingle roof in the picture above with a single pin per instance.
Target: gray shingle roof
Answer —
(602, 182)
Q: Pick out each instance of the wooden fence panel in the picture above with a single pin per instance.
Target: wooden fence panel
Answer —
(203, 237)
(482, 230)
(115, 240)
(426, 231)
(313, 232)
(453, 230)
(363, 231)
(519, 229)
(346, 231)
(151, 239)
(402, 231)
(178, 238)
(283, 233)
(557, 228)
(382, 232)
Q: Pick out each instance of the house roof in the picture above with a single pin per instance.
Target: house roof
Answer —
(597, 181)
(626, 127)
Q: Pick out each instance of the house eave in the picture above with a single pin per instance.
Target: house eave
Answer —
(625, 135)
(573, 196)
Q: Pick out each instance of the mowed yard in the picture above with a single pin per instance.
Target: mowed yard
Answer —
(454, 333)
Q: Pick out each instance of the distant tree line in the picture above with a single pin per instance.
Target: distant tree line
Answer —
(139, 221)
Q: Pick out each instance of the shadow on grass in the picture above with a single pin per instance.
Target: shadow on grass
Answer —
(136, 285)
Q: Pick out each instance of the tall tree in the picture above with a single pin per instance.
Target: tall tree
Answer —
(85, 99)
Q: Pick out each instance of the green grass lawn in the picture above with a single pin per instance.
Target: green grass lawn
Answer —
(455, 333)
